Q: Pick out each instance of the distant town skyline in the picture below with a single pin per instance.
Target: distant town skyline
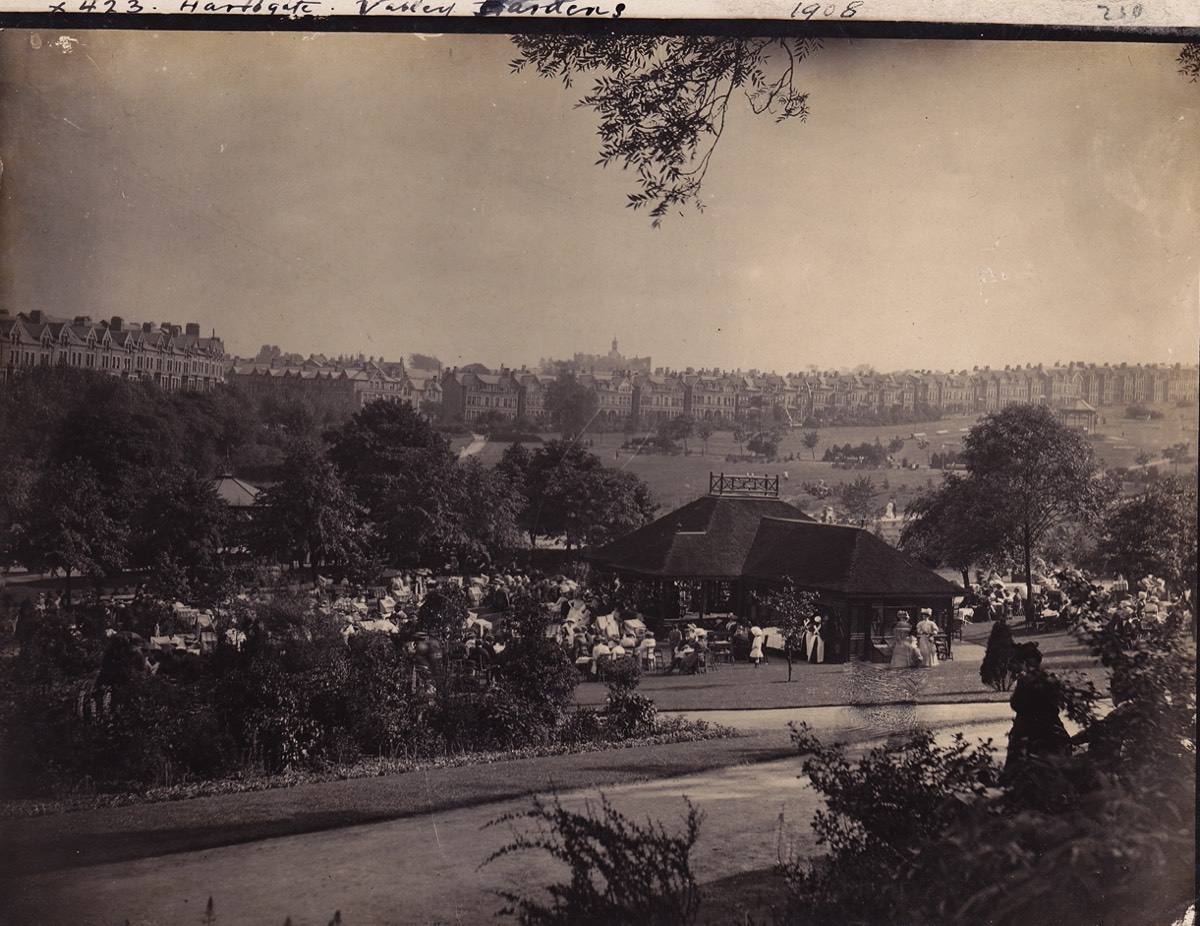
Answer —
(947, 205)
(815, 368)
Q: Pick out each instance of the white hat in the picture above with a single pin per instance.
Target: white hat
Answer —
(756, 631)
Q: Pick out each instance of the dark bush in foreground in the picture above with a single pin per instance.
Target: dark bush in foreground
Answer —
(997, 669)
(621, 873)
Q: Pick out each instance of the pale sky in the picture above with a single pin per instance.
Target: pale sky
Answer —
(948, 204)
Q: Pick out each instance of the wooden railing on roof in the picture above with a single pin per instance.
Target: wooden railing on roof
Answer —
(743, 485)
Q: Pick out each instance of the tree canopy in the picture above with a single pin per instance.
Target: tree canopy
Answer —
(570, 493)
(1027, 474)
(425, 506)
(570, 405)
(311, 515)
(662, 101)
(954, 525)
(1154, 533)
(70, 526)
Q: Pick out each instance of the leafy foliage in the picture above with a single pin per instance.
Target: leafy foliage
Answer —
(858, 498)
(954, 525)
(789, 610)
(570, 492)
(1189, 61)
(570, 405)
(879, 811)
(921, 834)
(424, 506)
(662, 100)
(310, 515)
(70, 524)
(1038, 473)
(1154, 533)
(621, 873)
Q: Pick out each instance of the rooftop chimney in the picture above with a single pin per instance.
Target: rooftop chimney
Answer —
(193, 330)
(147, 327)
(36, 316)
(116, 323)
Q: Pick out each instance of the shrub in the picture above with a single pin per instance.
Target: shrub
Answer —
(622, 675)
(581, 726)
(628, 714)
(621, 873)
(997, 669)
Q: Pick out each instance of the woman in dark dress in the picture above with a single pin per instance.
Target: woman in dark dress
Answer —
(1037, 731)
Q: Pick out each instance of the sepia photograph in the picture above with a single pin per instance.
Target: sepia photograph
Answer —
(615, 475)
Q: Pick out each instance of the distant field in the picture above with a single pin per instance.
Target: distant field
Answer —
(676, 480)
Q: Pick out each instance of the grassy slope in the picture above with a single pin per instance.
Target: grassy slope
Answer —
(676, 480)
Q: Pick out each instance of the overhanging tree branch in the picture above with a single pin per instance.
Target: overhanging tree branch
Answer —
(662, 101)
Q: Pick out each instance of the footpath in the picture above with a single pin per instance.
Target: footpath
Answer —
(759, 702)
(133, 848)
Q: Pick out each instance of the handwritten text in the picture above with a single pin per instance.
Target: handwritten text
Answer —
(553, 8)
(837, 10)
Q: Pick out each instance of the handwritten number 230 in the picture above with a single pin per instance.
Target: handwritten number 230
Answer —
(808, 11)
(1118, 12)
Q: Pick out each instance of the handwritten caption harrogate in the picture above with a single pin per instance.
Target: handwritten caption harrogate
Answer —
(491, 8)
(297, 8)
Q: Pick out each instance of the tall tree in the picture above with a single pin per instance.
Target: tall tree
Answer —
(179, 531)
(704, 430)
(858, 498)
(954, 525)
(1039, 474)
(570, 405)
(425, 362)
(571, 493)
(67, 526)
(383, 443)
(1154, 533)
(310, 515)
(683, 427)
(810, 439)
(1176, 454)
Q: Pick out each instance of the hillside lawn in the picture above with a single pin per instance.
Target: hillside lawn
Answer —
(676, 480)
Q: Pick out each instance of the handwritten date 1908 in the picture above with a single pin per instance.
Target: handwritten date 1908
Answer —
(826, 10)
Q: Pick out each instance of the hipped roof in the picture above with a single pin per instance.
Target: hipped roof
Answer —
(765, 539)
(235, 493)
(836, 558)
(708, 538)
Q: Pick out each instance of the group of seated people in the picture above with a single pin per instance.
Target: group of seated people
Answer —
(687, 651)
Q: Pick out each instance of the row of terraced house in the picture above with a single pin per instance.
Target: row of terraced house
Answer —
(350, 384)
(724, 397)
(180, 358)
(173, 357)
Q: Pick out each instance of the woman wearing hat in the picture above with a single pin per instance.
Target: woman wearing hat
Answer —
(756, 645)
(905, 654)
(926, 633)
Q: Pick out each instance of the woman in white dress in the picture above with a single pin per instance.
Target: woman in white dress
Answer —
(903, 647)
(756, 645)
(927, 630)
